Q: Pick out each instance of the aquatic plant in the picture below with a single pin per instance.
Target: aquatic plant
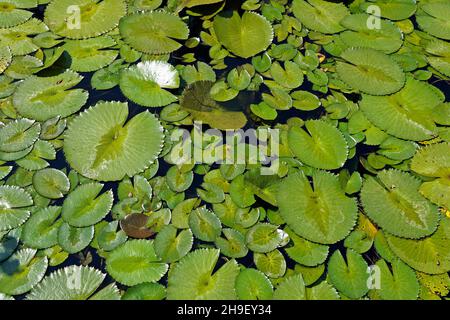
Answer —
(320, 132)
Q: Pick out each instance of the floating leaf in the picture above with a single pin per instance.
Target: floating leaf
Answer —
(263, 237)
(91, 54)
(393, 9)
(204, 224)
(349, 276)
(110, 146)
(399, 284)
(154, 32)
(387, 38)
(193, 278)
(272, 264)
(393, 201)
(319, 15)
(252, 284)
(41, 230)
(434, 161)
(433, 19)
(70, 283)
(145, 291)
(18, 135)
(73, 239)
(5, 58)
(170, 246)
(78, 19)
(15, 205)
(306, 252)
(321, 213)
(12, 13)
(245, 35)
(196, 99)
(430, 254)
(51, 183)
(45, 98)
(135, 262)
(84, 206)
(292, 288)
(21, 272)
(144, 83)
(323, 146)
(370, 71)
(406, 114)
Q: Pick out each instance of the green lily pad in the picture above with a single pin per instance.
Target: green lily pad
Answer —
(80, 19)
(252, 284)
(430, 254)
(85, 206)
(51, 183)
(299, 204)
(400, 283)
(145, 291)
(22, 271)
(15, 208)
(406, 114)
(170, 245)
(135, 262)
(434, 161)
(320, 15)
(73, 239)
(144, 83)
(246, 35)
(110, 146)
(393, 201)
(349, 276)
(19, 135)
(205, 225)
(41, 230)
(387, 38)
(292, 288)
(272, 264)
(70, 283)
(323, 146)
(194, 277)
(91, 54)
(154, 32)
(370, 71)
(45, 98)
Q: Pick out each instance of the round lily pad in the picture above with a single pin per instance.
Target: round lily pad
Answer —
(153, 32)
(370, 71)
(135, 262)
(51, 183)
(112, 146)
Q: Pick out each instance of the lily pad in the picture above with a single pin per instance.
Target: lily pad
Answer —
(110, 146)
(393, 201)
(323, 146)
(144, 83)
(300, 205)
(370, 71)
(245, 35)
(42, 98)
(15, 206)
(70, 283)
(85, 206)
(51, 183)
(135, 262)
(194, 277)
(406, 114)
(79, 19)
(156, 32)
